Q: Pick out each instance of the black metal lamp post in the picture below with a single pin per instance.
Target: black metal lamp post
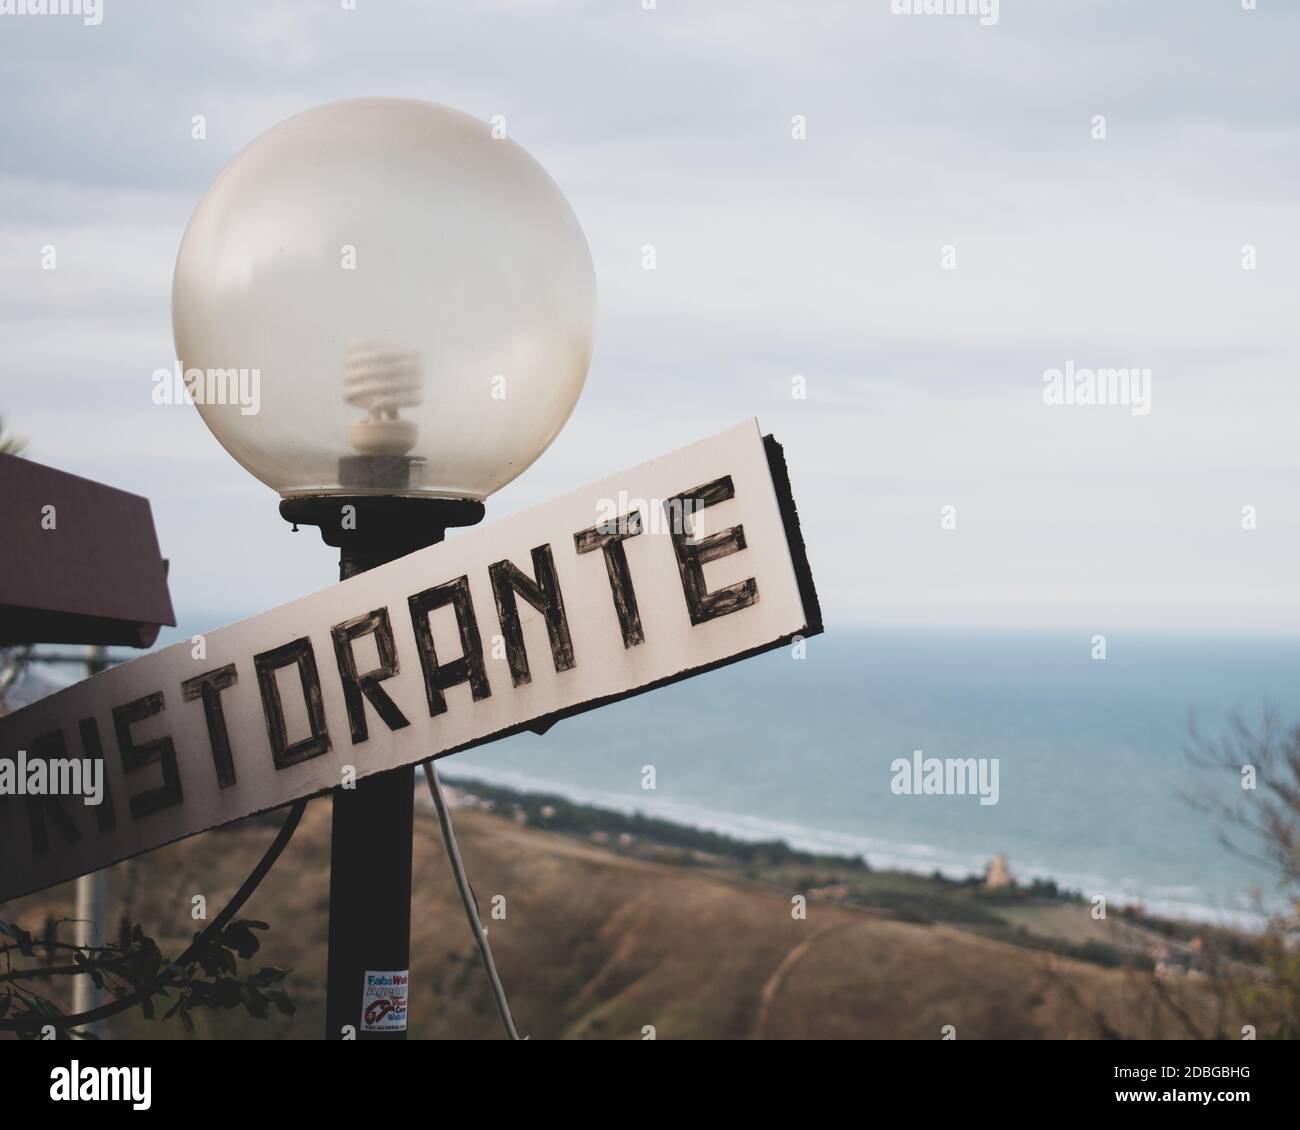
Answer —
(384, 309)
(373, 823)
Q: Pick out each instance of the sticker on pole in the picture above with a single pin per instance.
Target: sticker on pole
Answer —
(383, 1004)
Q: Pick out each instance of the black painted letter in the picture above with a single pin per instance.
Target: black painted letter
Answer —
(609, 537)
(357, 689)
(298, 652)
(105, 814)
(544, 595)
(49, 747)
(693, 555)
(135, 757)
(208, 687)
(469, 667)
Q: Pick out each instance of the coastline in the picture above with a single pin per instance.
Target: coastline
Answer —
(912, 859)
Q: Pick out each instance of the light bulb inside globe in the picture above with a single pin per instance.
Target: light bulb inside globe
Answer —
(382, 381)
(413, 298)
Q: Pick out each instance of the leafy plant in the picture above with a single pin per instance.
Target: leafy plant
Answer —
(134, 971)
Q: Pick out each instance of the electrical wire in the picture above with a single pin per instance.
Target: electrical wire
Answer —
(476, 926)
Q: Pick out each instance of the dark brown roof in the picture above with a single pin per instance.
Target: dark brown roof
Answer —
(97, 576)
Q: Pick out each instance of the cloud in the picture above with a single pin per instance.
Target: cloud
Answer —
(774, 257)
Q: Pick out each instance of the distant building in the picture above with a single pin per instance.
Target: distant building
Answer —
(998, 877)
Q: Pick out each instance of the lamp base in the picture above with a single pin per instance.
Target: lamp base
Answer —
(371, 530)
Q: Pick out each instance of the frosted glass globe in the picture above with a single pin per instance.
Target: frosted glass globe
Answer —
(408, 304)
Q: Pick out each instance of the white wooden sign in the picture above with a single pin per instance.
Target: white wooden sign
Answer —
(677, 566)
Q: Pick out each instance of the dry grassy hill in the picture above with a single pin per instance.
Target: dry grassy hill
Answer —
(599, 945)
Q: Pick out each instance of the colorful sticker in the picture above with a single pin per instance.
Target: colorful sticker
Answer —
(383, 1004)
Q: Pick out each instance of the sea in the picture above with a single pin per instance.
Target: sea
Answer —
(1099, 785)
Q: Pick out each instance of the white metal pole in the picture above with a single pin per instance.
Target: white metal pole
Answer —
(91, 908)
(89, 932)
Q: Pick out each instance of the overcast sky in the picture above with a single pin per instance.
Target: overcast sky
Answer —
(775, 257)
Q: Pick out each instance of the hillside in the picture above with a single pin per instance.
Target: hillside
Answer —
(600, 944)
